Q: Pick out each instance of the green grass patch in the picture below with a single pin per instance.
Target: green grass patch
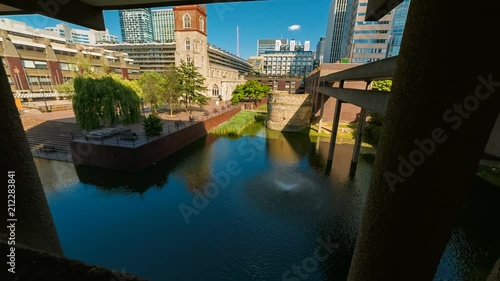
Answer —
(491, 174)
(237, 124)
(262, 107)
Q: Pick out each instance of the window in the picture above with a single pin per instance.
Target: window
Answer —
(188, 44)
(64, 66)
(215, 91)
(188, 59)
(186, 21)
(202, 24)
(40, 64)
(28, 64)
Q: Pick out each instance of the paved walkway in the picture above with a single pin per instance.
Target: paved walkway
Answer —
(54, 129)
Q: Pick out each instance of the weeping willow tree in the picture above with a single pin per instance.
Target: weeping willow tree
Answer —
(104, 101)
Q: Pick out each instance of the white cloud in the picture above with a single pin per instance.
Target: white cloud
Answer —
(294, 27)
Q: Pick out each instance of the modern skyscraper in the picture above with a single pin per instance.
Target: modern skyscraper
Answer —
(397, 28)
(337, 30)
(264, 45)
(320, 50)
(136, 25)
(368, 40)
(163, 26)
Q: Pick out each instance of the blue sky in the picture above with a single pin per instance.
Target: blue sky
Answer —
(257, 20)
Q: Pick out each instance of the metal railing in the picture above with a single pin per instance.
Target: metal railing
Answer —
(53, 155)
(139, 139)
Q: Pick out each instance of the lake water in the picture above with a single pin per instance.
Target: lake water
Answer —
(269, 212)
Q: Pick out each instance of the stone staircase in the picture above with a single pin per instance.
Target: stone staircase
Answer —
(51, 133)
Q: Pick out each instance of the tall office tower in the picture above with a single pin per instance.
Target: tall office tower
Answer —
(264, 45)
(368, 40)
(337, 30)
(397, 28)
(163, 26)
(136, 25)
(320, 50)
(307, 46)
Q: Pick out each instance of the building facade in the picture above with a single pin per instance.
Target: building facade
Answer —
(291, 60)
(222, 70)
(320, 50)
(136, 25)
(368, 40)
(36, 62)
(265, 45)
(337, 31)
(397, 28)
(163, 26)
(148, 56)
(292, 85)
(81, 36)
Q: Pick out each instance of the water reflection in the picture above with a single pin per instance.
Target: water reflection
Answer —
(56, 176)
(287, 191)
(270, 217)
(194, 169)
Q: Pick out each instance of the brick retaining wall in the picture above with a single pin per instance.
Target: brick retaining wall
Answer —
(139, 158)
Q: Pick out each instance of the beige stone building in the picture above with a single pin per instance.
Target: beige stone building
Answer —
(223, 71)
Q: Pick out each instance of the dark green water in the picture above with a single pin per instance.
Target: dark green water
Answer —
(274, 209)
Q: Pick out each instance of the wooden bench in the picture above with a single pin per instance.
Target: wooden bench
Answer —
(128, 136)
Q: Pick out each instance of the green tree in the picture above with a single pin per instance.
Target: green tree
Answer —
(171, 88)
(104, 100)
(152, 91)
(251, 90)
(382, 85)
(191, 85)
(373, 130)
(67, 87)
(153, 125)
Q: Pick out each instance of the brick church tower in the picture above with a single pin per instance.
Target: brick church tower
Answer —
(191, 36)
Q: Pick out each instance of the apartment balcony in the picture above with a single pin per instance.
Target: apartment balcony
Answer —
(32, 55)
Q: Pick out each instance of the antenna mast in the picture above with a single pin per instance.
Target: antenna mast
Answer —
(238, 40)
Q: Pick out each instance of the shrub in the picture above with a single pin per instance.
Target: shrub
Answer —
(153, 126)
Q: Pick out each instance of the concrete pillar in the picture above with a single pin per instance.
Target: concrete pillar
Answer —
(438, 121)
(335, 128)
(357, 144)
(359, 138)
(34, 226)
(322, 110)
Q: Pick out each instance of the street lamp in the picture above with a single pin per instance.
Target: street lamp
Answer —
(142, 103)
(44, 100)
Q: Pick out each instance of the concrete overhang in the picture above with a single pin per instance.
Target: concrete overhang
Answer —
(88, 13)
(378, 8)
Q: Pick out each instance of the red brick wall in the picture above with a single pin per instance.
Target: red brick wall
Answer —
(18, 79)
(139, 158)
(55, 72)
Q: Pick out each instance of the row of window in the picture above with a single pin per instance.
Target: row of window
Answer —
(34, 64)
(371, 31)
(29, 48)
(369, 51)
(370, 41)
(372, 22)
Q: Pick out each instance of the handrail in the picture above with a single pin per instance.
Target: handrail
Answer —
(379, 70)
